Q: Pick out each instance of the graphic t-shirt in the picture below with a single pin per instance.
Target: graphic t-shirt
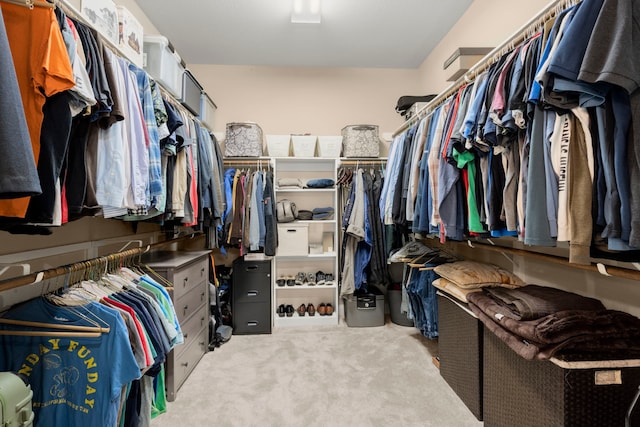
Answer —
(76, 381)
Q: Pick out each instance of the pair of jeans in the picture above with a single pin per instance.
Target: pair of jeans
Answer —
(424, 305)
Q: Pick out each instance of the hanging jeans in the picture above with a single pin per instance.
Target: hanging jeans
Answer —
(423, 302)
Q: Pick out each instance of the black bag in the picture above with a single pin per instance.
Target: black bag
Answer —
(405, 102)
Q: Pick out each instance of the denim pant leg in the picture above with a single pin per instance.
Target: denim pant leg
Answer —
(416, 301)
(428, 300)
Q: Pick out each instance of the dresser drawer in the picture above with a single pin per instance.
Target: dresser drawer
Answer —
(188, 277)
(188, 359)
(192, 327)
(186, 304)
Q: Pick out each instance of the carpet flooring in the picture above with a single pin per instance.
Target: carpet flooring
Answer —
(319, 376)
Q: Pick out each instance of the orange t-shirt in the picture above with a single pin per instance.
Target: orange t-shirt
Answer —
(43, 69)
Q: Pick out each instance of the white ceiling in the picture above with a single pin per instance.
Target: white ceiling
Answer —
(353, 33)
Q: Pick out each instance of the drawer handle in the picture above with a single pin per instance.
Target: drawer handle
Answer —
(185, 336)
(252, 323)
(252, 267)
(291, 230)
(201, 321)
(202, 272)
(184, 282)
(202, 296)
(201, 343)
(185, 310)
(252, 293)
(185, 364)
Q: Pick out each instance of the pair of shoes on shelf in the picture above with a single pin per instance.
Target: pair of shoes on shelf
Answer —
(305, 309)
(325, 309)
(308, 279)
(285, 310)
(281, 281)
(320, 278)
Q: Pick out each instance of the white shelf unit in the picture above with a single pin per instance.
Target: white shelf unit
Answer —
(322, 234)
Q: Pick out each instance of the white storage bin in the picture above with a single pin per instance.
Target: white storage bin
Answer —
(304, 145)
(293, 239)
(329, 146)
(163, 64)
(131, 35)
(279, 145)
(102, 15)
(207, 110)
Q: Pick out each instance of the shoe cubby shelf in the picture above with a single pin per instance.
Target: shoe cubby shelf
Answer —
(316, 320)
(306, 246)
(303, 287)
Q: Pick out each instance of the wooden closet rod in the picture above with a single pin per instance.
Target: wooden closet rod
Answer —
(611, 270)
(80, 267)
(552, 10)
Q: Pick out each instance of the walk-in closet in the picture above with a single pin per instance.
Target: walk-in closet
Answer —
(319, 212)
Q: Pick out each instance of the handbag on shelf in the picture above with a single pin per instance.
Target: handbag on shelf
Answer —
(243, 140)
(360, 141)
(286, 211)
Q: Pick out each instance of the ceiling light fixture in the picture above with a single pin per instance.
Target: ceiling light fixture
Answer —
(305, 12)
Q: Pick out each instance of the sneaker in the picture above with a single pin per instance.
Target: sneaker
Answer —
(281, 281)
(300, 278)
(320, 278)
(328, 279)
(311, 279)
(291, 281)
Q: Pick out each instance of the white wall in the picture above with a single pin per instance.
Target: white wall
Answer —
(306, 100)
(486, 23)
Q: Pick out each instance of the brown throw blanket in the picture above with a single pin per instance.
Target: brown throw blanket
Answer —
(534, 301)
(609, 333)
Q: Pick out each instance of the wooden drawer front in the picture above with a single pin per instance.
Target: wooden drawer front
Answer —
(192, 275)
(191, 328)
(189, 358)
(185, 305)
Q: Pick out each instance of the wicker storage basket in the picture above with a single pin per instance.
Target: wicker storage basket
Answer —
(519, 392)
(460, 351)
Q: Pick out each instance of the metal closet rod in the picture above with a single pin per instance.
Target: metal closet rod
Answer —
(362, 162)
(552, 10)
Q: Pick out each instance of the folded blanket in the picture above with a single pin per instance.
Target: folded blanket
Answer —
(453, 289)
(289, 183)
(473, 275)
(534, 301)
(603, 332)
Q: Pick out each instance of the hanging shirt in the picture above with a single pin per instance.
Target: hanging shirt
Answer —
(42, 68)
(76, 380)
